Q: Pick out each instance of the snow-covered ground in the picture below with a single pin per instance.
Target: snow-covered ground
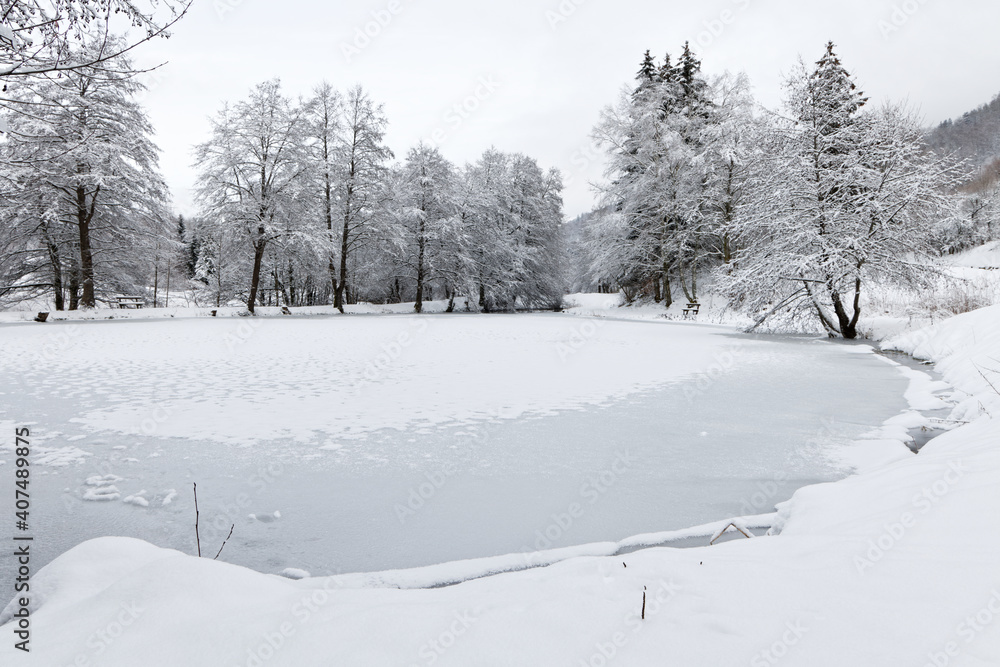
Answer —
(896, 565)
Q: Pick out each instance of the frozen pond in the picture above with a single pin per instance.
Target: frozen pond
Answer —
(485, 435)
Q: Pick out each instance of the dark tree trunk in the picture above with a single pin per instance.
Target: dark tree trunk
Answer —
(84, 215)
(483, 304)
(421, 243)
(694, 278)
(258, 257)
(328, 197)
(74, 281)
(341, 285)
(57, 279)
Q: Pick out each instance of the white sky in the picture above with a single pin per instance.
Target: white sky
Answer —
(548, 82)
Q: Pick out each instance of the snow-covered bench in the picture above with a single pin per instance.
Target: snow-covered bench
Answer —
(692, 310)
(129, 301)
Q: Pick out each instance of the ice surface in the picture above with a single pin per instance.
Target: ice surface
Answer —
(482, 436)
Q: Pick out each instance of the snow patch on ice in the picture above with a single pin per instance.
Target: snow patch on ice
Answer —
(60, 457)
(102, 493)
(102, 480)
(136, 499)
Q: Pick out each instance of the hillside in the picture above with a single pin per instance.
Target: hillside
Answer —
(974, 135)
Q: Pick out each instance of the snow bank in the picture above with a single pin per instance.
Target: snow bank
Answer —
(895, 566)
(967, 351)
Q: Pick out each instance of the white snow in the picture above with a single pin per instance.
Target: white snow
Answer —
(294, 573)
(59, 457)
(515, 466)
(102, 493)
(102, 480)
(894, 566)
(220, 380)
(136, 499)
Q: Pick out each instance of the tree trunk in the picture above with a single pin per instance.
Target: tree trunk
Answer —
(328, 199)
(694, 278)
(74, 288)
(668, 291)
(258, 257)
(684, 286)
(848, 329)
(339, 286)
(421, 242)
(657, 296)
(57, 280)
(84, 214)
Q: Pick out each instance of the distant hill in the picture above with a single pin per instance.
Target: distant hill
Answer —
(975, 135)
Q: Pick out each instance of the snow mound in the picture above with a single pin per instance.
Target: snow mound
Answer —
(136, 499)
(294, 573)
(102, 480)
(102, 493)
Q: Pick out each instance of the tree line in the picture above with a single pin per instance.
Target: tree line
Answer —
(301, 202)
(791, 213)
(300, 198)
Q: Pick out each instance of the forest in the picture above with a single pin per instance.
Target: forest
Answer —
(789, 213)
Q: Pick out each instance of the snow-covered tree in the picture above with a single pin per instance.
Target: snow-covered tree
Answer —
(43, 36)
(512, 213)
(361, 194)
(675, 147)
(426, 211)
(844, 196)
(254, 171)
(325, 117)
(87, 177)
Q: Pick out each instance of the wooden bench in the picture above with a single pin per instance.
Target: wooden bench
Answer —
(691, 311)
(129, 301)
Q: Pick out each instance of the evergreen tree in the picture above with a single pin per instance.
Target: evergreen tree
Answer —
(840, 196)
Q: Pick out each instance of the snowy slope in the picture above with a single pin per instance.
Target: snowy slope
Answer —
(896, 566)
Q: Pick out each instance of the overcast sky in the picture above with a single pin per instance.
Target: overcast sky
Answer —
(533, 75)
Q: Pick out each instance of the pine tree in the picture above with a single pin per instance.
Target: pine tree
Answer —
(840, 196)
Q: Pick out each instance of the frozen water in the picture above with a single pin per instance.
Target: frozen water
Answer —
(481, 436)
